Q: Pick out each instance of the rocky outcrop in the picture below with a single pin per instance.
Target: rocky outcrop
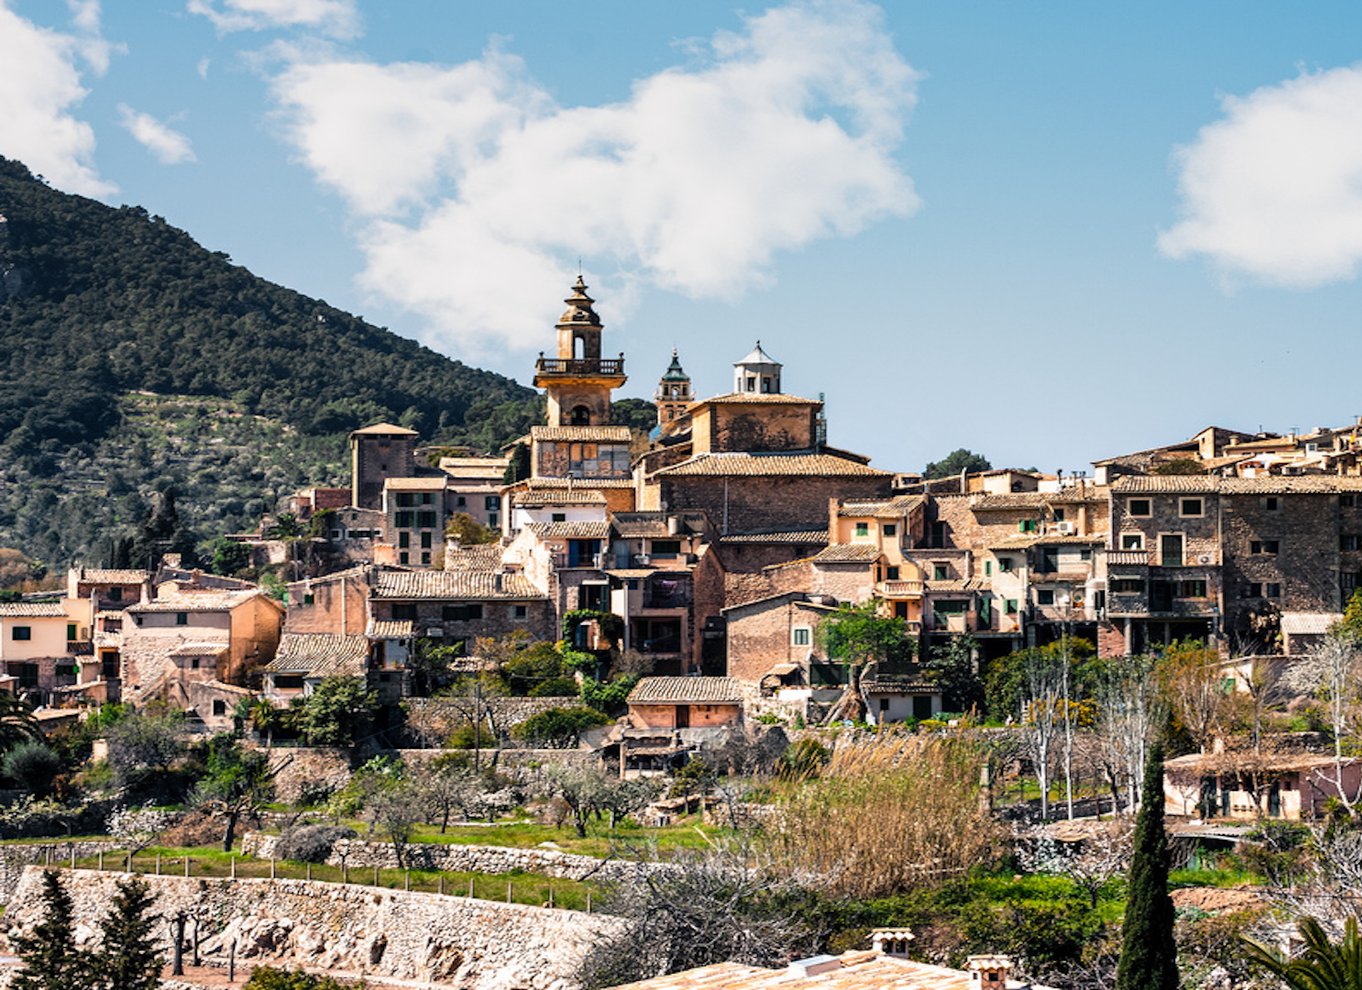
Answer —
(357, 853)
(353, 930)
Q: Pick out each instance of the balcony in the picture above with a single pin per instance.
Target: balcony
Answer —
(579, 366)
(1129, 558)
(901, 589)
(955, 622)
(80, 647)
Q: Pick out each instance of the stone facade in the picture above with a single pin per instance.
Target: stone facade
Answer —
(751, 504)
(353, 930)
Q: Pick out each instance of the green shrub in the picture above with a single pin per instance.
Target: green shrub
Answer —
(310, 843)
(33, 766)
(269, 978)
(555, 687)
(558, 728)
(805, 758)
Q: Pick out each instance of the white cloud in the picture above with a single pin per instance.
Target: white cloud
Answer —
(337, 18)
(475, 192)
(167, 146)
(1273, 190)
(42, 86)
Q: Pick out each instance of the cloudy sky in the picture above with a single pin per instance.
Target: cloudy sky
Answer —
(1046, 232)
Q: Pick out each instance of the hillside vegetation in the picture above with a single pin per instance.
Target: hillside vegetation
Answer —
(104, 310)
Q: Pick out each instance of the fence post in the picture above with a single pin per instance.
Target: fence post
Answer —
(234, 867)
(442, 884)
(101, 860)
(588, 902)
(408, 880)
(48, 853)
(158, 864)
(273, 873)
(375, 874)
(470, 886)
(309, 871)
(186, 866)
(127, 862)
(550, 895)
(508, 892)
(73, 855)
(345, 873)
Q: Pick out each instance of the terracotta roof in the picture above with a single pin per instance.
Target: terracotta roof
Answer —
(799, 598)
(571, 530)
(1049, 539)
(1308, 623)
(420, 484)
(773, 464)
(107, 575)
(582, 434)
(756, 398)
(30, 610)
(553, 484)
(1026, 500)
(849, 971)
(848, 553)
(478, 557)
(474, 467)
(1198, 762)
(390, 629)
(199, 601)
(1277, 484)
(877, 508)
(561, 496)
(385, 429)
(446, 585)
(959, 584)
(798, 536)
(198, 649)
(685, 690)
(321, 655)
(639, 524)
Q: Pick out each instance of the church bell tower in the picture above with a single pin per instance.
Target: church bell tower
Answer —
(578, 382)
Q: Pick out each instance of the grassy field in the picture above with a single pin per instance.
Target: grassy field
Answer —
(209, 861)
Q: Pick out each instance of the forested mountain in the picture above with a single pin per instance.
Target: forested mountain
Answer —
(132, 358)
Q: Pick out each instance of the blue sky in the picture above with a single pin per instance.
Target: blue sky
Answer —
(965, 224)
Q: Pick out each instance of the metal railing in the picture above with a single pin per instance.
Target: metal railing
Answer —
(580, 366)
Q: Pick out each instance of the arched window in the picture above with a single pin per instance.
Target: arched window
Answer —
(578, 347)
(581, 416)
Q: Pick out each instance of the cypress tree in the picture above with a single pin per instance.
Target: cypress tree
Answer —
(1148, 952)
(49, 954)
(128, 958)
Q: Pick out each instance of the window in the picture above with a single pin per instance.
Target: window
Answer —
(1010, 606)
(425, 556)
(1347, 500)
(491, 519)
(988, 568)
(404, 557)
(462, 613)
(71, 630)
(1272, 503)
(1139, 507)
(1028, 526)
(425, 520)
(1059, 515)
(1264, 546)
(461, 501)
(1045, 596)
(521, 611)
(1170, 550)
(219, 707)
(403, 539)
(1005, 565)
(558, 517)
(181, 618)
(115, 594)
(425, 541)
(1127, 586)
(1350, 541)
(889, 529)
(405, 500)
(891, 573)
(404, 613)
(1191, 507)
(665, 548)
(1132, 541)
(1191, 589)
(1253, 589)
(427, 498)
(1272, 591)
(404, 520)
(491, 503)
(1085, 554)
(862, 529)
(194, 663)
(941, 572)
(801, 636)
(21, 633)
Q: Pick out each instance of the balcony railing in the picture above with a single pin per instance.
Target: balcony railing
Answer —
(579, 366)
(901, 589)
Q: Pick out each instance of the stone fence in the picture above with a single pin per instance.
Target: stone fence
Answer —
(350, 930)
(15, 857)
(458, 858)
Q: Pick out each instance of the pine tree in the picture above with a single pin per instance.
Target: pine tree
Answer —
(1148, 951)
(49, 954)
(128, 958)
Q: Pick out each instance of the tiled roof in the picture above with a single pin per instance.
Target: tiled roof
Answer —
(30, 610)
(959, 584)
(848, 553)
(1308, 623)
(582, 434)
(757, 398)
(1048, 540)
(1026, 500)
(198, 601)
(553, 484)
(452, 585)
(474, 467)
(561, 496)
(321, 655)
(421, 484)
(773, 464)
(106, 575)
(390, 629)
(199, 649)
(385, 429)
(1277, 484)
(642, 524)
(479, 557)
(849, 971)
(570, 530)
(803, 536)
(685, 691)
(880, 508)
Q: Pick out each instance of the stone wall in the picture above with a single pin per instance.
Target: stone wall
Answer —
(458, 858)
(352, 930)
(444, 716)
(309, 766)
(16, 857)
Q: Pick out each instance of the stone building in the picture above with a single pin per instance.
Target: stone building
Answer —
(414, 518)
(377, 453)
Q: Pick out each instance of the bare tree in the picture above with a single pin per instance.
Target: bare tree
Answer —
(1043, 695)
(1193, 684)
(1335, 667)
(1130, 711)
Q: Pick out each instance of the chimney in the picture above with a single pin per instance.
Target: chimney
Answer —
(989, 972)
(673, 526)
(891, 942)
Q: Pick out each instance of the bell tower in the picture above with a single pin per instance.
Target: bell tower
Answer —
(579, 381)
(757, 373)
(673, 393)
